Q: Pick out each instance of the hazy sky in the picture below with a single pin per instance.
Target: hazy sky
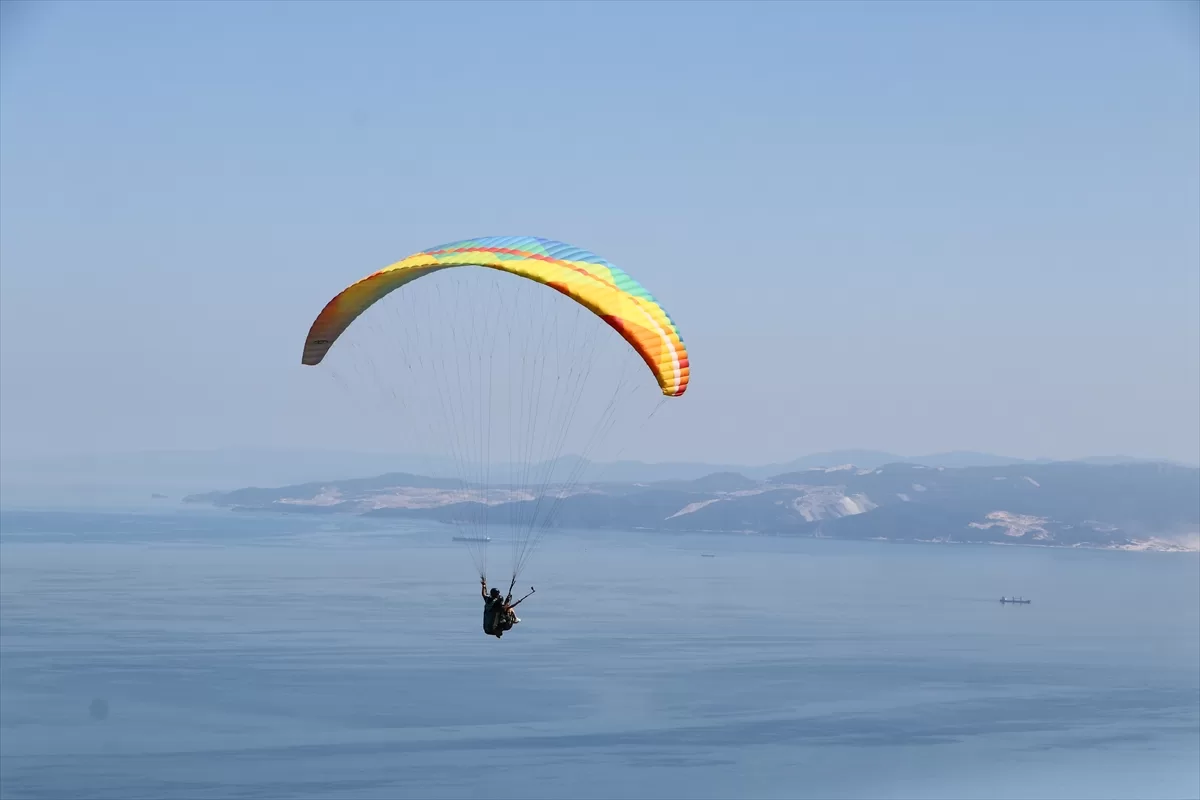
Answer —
(914, 227)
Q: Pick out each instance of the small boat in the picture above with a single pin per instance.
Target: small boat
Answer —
(472, 538)
(1017, 600)
(708, 555)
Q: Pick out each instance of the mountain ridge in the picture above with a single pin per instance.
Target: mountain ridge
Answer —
(1057, 504)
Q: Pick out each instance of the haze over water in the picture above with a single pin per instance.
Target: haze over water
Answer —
(905, 226)
(264, 656)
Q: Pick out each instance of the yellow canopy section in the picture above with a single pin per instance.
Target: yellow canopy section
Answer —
(586, 278)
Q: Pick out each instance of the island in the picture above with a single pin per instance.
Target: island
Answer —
(1130, 506)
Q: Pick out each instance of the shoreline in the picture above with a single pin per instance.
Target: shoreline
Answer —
(1160, 545)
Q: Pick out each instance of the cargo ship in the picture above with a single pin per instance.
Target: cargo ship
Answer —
(472, 538)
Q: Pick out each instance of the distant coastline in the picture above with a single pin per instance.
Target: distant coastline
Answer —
(1151, 507)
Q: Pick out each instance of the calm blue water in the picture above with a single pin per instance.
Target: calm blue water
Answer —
(250, 656)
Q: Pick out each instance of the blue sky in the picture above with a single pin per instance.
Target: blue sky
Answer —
(914, 227)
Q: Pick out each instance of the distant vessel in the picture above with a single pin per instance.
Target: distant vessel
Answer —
(708, 555)
(1018, 600)
(472, 538)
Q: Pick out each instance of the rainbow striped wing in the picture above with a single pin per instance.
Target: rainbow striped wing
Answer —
(586, 278)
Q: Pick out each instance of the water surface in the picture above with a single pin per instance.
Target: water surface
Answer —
(192, 654)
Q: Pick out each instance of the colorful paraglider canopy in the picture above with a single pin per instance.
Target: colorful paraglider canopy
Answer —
(586, 278)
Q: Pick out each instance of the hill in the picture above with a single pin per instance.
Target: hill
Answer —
(1120, 506)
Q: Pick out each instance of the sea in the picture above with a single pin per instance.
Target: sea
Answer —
(172, 651)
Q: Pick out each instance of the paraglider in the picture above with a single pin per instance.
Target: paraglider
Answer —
(584, 277)
(453, 355)
(499, 614)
